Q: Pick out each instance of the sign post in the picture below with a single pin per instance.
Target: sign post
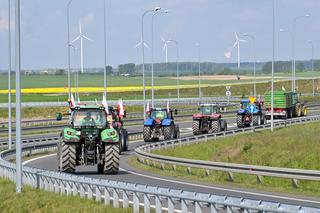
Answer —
(252, 108)
(228, 93)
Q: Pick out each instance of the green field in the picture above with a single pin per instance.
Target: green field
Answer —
(291, 147)
(32, 200)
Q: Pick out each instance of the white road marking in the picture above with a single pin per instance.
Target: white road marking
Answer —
(38, 158)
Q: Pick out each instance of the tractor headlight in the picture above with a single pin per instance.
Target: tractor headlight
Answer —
(113, 133)
(70, 133)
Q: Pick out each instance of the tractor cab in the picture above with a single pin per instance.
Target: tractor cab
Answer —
(209, 109)
(83, 117)
(244, 103)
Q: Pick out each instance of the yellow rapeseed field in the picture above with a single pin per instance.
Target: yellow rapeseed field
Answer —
(96, 89)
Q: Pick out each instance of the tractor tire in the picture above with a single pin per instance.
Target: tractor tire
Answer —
(263, 120)
(304, 111)
(147, 137)
(68, 158)
(240, 123)
(100, 168)
(176, 132)
(123, 136)
(215, 127)
(256, 120)
(297, 110)
(196, 127)
(168, 132)
(111, 161)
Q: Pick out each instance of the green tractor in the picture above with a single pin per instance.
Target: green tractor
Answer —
(91, 139)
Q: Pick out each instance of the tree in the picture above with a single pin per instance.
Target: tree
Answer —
(109, 70)
(126, 68)
(60, 72)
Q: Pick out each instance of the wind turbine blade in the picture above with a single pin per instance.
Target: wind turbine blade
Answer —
(236, 35)
(75, 40)
(163, 39)
(164, 46)
(146, 45)
(242, 40)
(235, 44)
(89, 39)
(137, 45)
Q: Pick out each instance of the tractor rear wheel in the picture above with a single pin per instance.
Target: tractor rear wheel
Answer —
(256, 120)
(111, 161)
(195, 127)
(176, 132)
(100, 168)
(297, 110)
(168, 132)
(68, 158)
(215, 127)
(224, 125)
(304, 111)
(240, 123)
(147, 137)
(123, 136)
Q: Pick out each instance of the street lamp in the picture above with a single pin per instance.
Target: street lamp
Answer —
(178, 85)
(9, 78)
(143, 65)
(254, 61)
(68, 42)
(294, 60)
(105, 50)
(152, 56)
(312, 55)
(75, 72)
(272, 65)
(292, 50)
(199, 69)
(18, 98)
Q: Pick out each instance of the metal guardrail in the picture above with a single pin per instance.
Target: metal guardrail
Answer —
(144, 155)
(135, 195)
(132, 102)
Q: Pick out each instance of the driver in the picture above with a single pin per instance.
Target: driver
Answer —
(159, 115)
(88, 120)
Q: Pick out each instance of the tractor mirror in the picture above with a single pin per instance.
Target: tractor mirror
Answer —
(58, 116)
(176, 111)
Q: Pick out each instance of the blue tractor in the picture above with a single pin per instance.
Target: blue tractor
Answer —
(250, 114)
(160, 123)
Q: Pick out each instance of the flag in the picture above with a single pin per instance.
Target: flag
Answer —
(121, 108)
(148, 107)
(71, 101)
(79, 103)
(105, 104)
(168, 108)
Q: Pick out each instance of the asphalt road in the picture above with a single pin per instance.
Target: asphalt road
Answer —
(129, 174)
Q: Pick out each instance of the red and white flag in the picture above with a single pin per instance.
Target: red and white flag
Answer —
(148, 107)
(79, 102)
(105, 104)
(121, 108)
(168, 108)
(72, 102)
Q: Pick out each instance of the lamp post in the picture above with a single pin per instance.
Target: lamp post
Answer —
(294, 60)
(9, 78)
(143, 65)
(178, 83)
(292, 50)
(312, 66)
(199, 70)
(18, 98)
(152, 55)
(75, 72)
(68, 42)
(105, 50)
(254, 61)
(272, 70)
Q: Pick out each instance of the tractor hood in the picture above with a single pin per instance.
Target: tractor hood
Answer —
(71, 135)
(109, 135)
(241, 111)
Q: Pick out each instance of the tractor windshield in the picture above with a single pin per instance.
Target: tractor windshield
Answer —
(159, 114)
(244, 105)
(208, 110)
(89, 118)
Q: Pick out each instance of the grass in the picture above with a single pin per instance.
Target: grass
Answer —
(291, 147)
(32, 200)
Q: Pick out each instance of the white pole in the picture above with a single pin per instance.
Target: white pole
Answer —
(105, 49)
(9, 78)
(68, 42)
(18, 99)
(81, 50)
(272, 72)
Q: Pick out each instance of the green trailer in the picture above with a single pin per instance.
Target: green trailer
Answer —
(285, 104)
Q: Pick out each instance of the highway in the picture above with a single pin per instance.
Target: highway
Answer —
(132, 175)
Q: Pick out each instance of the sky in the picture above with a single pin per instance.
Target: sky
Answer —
(211, 23)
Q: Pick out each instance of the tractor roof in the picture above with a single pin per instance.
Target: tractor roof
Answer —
(87, 107)
(208, 104)
(244, 101)
(159, 109)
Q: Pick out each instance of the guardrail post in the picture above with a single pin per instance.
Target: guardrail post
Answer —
(74, 189)
(213, 208)
(68, 189)
(189, 170)
(98, 194)
(136, 206)
(207, 172)
(184, 206)
(198, 208)
(158, 204)
(162, 167)
(125, 199)
(106, 197)
(90, 192)
(174, 167)
(230, 176)
(170, 205)
(295, 183)
(82, 194)
(115, 198)
(146, 203)
(259, 179)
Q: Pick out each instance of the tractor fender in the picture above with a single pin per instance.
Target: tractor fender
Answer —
(241, 111)
(148, 122)
(166, 122)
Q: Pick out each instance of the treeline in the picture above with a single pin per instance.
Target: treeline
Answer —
(286, 66)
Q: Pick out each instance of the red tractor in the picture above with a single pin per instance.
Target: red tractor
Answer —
(208, 120)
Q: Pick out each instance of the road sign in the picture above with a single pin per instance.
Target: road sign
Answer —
(228, 88)
(228, 93)
(252, 108)
(252, 99)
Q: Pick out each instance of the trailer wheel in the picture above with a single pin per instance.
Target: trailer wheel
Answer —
(111, 160)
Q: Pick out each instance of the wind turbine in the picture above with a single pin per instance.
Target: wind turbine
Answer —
(140, 43)
(165, 47)
(80, 37)
(236, 44)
